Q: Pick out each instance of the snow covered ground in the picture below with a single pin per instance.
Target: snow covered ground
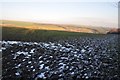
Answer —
(83, 58)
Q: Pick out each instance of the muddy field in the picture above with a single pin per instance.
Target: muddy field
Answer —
(71, 59)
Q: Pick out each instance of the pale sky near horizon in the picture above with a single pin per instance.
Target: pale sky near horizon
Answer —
(81, 13)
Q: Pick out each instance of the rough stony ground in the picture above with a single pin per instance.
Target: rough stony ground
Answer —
(74, 59)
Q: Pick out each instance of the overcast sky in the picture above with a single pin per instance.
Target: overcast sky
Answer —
(81, 13)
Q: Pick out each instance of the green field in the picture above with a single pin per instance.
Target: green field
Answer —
(23, 34)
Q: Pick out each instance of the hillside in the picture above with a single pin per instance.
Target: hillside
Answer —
(114, 31)
(58, 27)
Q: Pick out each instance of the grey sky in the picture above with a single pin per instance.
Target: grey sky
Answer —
(79, 13)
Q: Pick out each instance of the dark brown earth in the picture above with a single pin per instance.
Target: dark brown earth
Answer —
(76, 59)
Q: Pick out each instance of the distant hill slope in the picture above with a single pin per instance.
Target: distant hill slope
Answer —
(71, 28)
(114, 31)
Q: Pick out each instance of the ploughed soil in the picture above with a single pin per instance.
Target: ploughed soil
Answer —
(71, 59)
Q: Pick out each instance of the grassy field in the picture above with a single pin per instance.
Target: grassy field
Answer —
(17, 23)
(60, 27)
(23, 34)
